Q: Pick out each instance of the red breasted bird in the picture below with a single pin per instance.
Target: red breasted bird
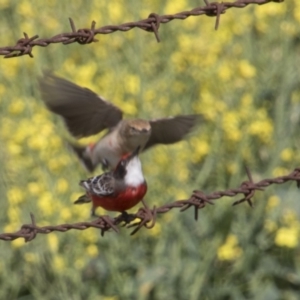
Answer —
(85, 113)
(117, 190)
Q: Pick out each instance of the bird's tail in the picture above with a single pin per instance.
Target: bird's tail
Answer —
(83, 153)
(83, 199)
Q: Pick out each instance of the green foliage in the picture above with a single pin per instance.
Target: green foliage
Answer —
(244, 80)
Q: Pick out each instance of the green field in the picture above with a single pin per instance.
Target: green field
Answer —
(244, 79)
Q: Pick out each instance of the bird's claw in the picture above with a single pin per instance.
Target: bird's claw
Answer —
(125, 217)
(146, 215)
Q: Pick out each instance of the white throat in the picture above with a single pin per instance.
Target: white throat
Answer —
(134, 176)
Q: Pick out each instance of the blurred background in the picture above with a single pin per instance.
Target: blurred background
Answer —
(244, 78)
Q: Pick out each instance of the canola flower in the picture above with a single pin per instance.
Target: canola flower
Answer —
(287, 237)
(230, 249)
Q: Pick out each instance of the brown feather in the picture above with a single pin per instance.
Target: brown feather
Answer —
(84, 112)
(171, 130)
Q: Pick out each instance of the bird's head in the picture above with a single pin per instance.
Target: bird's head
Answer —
(136, 127)
(136, 132)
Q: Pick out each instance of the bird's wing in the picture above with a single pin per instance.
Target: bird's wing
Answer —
(103, 185)
(171, 130)
(84, 112)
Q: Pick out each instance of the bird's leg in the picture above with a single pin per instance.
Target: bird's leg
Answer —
(108, 221)
(145, 205)
(125, 217)
(149, 215)
(93, 213)
(146, 215)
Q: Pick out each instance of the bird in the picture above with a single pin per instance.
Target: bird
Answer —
(85, 113)
(117, 190)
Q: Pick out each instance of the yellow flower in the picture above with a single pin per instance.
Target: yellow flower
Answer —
(25, 8)
(62, 185)
(225, 72)
(232, 167)
(4, 4)
(55, 142)
(11, 68)
(92, 250)
(272, 10)
(54, 164)
(149, 95)
(183, 174)
(230, 249)
(156, 230)
(115, 11)
(85, 74)
(110, 298)
(2, 88)
(181, 194)
(129, 107)
(162, 158)
(231, 126)
(200, 149)
(30, 257)
(34, 188)
(45, 203)
(52, 242)
(270, 226)
(15, 195)
(279, 171)
(272, 202)
(51, 22)
(296, 12)
(38, 142)
(163, 101)
(18, 243)
(287, 237)
(16, 107)
(287, 154)
(175, 6)
(79, 263)
(290, 217)
(132, 84)
(65, 214)
(289, 28)
(13, 148)
(58, 263)
(246, 69)
(262, 128)
(13, 213)
(90, 236)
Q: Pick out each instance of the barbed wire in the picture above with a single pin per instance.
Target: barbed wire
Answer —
(87, 35)
(146, 217)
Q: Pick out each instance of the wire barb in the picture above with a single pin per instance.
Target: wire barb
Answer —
(146, 217)
(151, 24)
(155, 25)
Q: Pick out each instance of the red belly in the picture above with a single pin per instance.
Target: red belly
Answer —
(124, 201)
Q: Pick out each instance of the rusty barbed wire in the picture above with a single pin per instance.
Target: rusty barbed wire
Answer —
(87, 35)
(146, 217)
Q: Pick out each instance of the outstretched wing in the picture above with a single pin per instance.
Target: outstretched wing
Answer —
(103, 185)
(171, 130)
(84, 112)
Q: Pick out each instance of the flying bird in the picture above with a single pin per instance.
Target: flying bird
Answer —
(117, 190)
(85, 113)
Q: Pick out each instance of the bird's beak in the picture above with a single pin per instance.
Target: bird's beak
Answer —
(134, 153)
